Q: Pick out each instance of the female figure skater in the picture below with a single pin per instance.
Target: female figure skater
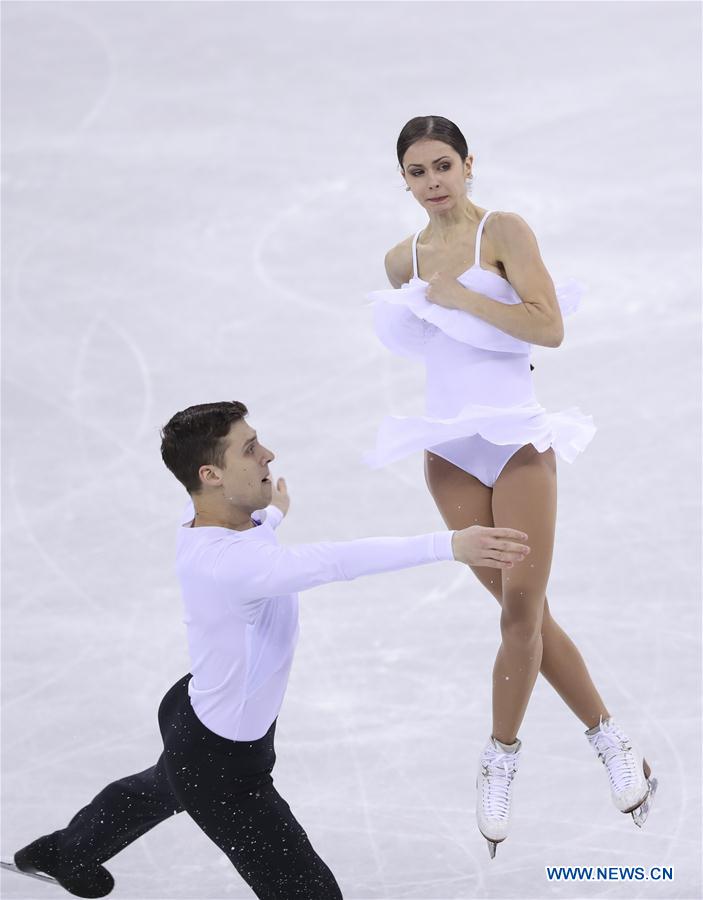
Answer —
(471, 294)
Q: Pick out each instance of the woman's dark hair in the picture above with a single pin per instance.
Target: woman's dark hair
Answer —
(433, 128)
(194, 438)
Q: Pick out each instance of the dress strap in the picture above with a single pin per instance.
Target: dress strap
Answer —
(417, 235)
(477, 260)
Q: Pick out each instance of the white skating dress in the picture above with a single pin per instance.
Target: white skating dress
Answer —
(480, 401)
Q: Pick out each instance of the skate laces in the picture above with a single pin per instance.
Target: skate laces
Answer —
(498, 769)
(615, 750)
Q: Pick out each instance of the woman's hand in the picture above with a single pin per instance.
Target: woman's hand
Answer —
(279, 496)
(446, 291)
(492, 548)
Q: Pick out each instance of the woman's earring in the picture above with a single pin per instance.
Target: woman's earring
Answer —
(469, 184)
(407, 187)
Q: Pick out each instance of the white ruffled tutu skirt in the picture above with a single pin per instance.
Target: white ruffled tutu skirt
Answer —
(409, 325)
(569, 431)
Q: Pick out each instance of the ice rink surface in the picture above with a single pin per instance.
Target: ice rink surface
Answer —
(197, 197)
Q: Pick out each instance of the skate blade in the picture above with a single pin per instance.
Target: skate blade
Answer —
(492, 846)
(11, 867)
(639, 815)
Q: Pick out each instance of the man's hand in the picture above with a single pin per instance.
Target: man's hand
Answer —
(492, 548)
(279, 496)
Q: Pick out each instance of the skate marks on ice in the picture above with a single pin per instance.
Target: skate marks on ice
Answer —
(380, 816)
(64, 116)
(267, 237)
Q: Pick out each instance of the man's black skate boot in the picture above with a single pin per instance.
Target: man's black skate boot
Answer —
(80, 880)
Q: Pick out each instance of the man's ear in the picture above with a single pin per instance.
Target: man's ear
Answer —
(210, 476)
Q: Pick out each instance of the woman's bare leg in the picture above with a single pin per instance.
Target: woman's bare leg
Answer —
(564, 668)
(463, 501)
(526, 495)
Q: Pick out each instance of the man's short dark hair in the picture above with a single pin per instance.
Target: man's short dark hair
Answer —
(195, 436)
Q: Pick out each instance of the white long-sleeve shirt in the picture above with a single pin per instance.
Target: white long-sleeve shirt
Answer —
(241, 609)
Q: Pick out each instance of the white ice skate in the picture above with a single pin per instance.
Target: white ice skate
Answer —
(632, 786)
(496, 771)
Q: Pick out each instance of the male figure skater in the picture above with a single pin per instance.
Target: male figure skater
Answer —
(217, 723)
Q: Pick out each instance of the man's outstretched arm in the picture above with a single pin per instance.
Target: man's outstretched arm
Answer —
(257, 569)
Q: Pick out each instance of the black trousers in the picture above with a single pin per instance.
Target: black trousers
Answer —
(226, 787)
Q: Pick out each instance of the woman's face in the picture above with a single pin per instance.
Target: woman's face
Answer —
(436, 174)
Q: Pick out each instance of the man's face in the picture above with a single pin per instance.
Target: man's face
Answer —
(244, 478)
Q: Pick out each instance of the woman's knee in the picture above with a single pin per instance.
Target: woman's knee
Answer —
(521, 623)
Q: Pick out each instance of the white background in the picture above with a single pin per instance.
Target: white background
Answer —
(197, 198)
